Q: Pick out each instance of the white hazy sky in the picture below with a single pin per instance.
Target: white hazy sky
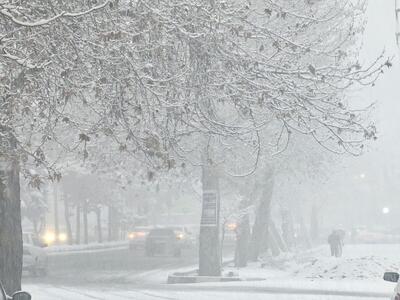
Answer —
(380, 35)
(357, 201)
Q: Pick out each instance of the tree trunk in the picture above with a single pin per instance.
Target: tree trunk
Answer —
(56, 220)
(209, 247)
(35, 227)
(304, 232)
(259, 238)
(260, 229)
(113, 224)
(242, 242)
(278, 237)
(314, 224)
(272, 242)
(67, 221)
(78, 225)
(10, 226)
(99, 229)
(287, 229)
(110, 224)
(85, 223)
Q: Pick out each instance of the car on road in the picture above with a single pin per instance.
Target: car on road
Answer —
(393, 277)
(34, 260)
(137, 237)
(30, 238)
(16, 296)
(164, 241)
(184, 235)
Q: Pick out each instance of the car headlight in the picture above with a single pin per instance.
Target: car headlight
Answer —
(49, 237)
(62, 237)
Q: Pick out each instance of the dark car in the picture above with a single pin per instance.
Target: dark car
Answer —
(163, 241)
(15, 296)
(137, 237)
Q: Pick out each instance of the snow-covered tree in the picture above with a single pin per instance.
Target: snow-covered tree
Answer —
(171, 81)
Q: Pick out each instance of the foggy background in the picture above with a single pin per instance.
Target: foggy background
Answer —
(358, 192)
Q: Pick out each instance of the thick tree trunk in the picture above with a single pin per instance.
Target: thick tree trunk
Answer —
(78, 225)
(242, 242)
(260, 229)
(10, 227)
(67, 221)
(259, 238)
(209, 247)
(85, 223)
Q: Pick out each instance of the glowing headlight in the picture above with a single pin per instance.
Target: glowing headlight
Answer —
(49, 237)
(62, 237)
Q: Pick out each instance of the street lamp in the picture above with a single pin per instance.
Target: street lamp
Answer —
(385, 210)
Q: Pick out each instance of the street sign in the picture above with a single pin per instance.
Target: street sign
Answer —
(209, 215)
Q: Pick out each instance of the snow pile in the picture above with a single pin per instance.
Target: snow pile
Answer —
(363, 268)
(359, 262)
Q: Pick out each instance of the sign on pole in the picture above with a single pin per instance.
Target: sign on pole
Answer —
(209, 215)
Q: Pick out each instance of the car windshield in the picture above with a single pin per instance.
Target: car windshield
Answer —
(141, 229)
(160, 232)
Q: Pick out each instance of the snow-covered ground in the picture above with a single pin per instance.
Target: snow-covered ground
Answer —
(359, 271)
(359, 263)
(307, 276)
(62, 293)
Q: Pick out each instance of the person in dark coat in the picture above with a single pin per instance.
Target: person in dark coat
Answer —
(335, 242)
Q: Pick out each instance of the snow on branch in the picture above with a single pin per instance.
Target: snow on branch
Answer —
(7, 11)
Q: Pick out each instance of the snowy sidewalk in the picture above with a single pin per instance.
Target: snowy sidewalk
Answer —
(359, 272)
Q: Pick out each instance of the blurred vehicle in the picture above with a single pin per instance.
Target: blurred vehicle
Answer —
(229, 233)
(34, 260)
(393, 277)
(16, 296)
(164, 241)
(185, 235)
(50, 238)
(137, 237)
(30, 238)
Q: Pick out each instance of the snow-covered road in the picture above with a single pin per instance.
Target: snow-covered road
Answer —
(306, 276)
(44, 292)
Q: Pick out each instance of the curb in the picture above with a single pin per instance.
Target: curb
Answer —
(176, 279)
(191, 276)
